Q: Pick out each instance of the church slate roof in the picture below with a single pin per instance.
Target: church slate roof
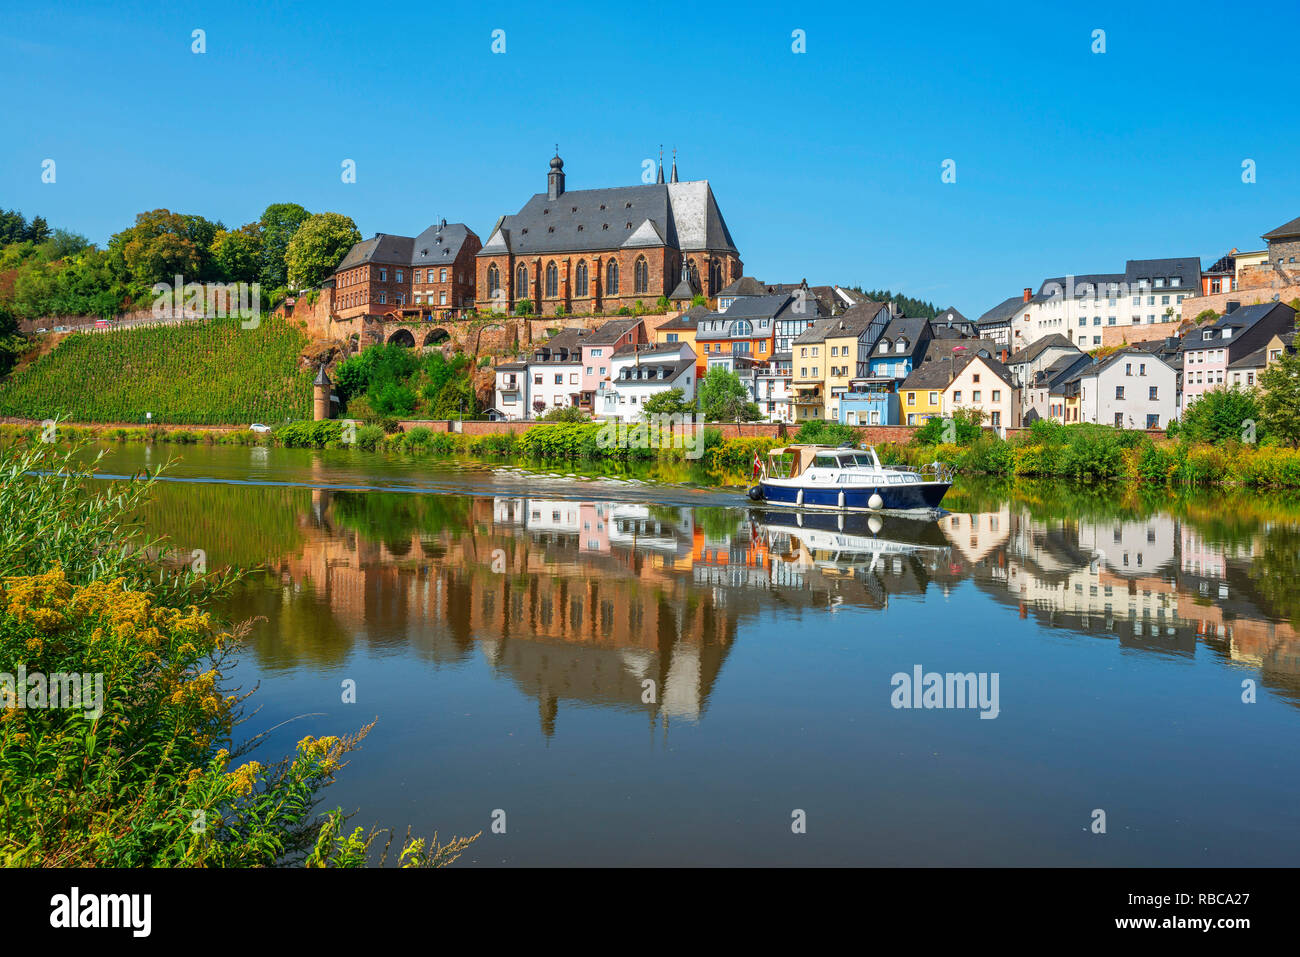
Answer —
(683, 216)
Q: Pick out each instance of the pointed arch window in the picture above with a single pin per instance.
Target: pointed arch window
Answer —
(552, 280)
(641, 276)
(521, 281)
(580, 279)
(715, 276)
(611, 278)
(493, 280)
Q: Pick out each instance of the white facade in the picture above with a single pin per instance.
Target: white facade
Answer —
(1130, 390)
(977, 386)
(637, 377)
(510, 396)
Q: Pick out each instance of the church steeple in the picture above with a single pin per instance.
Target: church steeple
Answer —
(555, 178)
(674, 176)
(660, 180)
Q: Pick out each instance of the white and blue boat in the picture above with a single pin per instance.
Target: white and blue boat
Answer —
(848, 479)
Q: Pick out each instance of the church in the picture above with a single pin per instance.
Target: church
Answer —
(598, 250)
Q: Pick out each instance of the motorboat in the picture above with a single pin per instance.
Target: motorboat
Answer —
(848, 479)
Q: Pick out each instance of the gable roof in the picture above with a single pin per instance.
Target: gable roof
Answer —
(1243, 318)
(1036, 348)
(610, 332)
(912, 330)
(1285, 231)
(744, 286)
(1002, 312)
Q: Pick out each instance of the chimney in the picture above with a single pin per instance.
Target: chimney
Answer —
(1230, 307)
(1029, 294)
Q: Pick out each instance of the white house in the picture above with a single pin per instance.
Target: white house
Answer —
(510, 395)
(1130, 389)
(638, 375)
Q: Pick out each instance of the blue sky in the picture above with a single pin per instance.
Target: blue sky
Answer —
(826, 164)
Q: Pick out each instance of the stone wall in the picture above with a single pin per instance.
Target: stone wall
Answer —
(872, 435)
(1247, 297)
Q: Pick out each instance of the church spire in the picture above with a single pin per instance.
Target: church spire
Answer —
(674, 176)
(660, 180)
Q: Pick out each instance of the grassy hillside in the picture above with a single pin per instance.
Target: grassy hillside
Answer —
(194, 374)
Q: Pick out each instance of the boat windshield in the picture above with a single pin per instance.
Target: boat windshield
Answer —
(862, 461)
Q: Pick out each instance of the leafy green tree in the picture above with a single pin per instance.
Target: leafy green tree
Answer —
(1280, 403)
(317, 247)
(237, 254)
(160, 246)
(1221, 414)
(668, 402)
(722, 398)
(564, 413)
(278, 224)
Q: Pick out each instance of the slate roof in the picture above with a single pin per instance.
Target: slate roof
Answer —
(1285, 231)
(1002, 312)
(855, 319)
(1187, 269)
(440, 243)
(659, 371)
(683, 216)
(950, 315)
(1259, 358)
(744, 286)
(1036, 348)
(910, 329)
(1060, 370)
(610, 332)
(1241, 318)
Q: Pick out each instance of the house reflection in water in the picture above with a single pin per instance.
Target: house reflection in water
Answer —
(587, 602)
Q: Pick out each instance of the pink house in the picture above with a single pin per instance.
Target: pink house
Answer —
(598, 349)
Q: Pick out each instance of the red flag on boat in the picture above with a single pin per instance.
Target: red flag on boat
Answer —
(758, 465)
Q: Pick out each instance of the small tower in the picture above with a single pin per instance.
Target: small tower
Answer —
(674, 176)
(321, 395)
(660, 180)
(555, 178)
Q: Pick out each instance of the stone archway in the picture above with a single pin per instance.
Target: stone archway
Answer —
(402, 337)
(436, 337)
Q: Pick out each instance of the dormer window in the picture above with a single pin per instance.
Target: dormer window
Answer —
(1227, 333)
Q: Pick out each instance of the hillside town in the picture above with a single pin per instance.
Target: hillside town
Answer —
(641, 291)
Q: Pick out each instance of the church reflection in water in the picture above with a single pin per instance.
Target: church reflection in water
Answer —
(584, 602)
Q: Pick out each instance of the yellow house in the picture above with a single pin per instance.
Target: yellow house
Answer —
(918, 402)
(830, 354)
(681, 329)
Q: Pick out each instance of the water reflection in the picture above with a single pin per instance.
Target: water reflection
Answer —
(582, 602)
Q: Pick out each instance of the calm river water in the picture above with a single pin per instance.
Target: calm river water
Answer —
(636, 672)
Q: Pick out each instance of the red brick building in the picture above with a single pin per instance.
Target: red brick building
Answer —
(598, 250)
(432, 273)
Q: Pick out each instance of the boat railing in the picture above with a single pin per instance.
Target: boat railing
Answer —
(930, 472)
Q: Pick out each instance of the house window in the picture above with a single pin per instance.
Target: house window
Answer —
(415, 276)
(398, 275)
(956, 396)
(997, 395)
(911, 398)
(442, 275)
(1119, 392)
(1153, 421)
(580, 279)
(383, 275)
(1154, 393)
(934, 398)
(442, 298)
(976, 396)
(975, 378)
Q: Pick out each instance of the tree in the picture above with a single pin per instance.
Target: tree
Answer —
(668, 402)
(722, 398)
(160, 246)
(317, 247)
(237, 254)
(279, 223)
(1280, 403)
(1205, 315)
(1221, 414)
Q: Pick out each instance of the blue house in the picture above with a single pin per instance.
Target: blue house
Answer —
(875, 404)
(900, 346)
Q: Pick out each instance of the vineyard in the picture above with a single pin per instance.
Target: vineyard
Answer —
(208, 374)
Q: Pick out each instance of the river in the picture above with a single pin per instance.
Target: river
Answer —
(633, 671)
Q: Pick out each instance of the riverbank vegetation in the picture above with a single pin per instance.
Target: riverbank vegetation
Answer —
(148, 770)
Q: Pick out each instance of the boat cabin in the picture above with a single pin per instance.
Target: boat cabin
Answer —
(794, 460)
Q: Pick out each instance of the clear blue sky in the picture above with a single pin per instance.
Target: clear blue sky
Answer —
(826, 164)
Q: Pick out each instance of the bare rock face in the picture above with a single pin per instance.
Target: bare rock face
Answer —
(484, 381)
(326, 352)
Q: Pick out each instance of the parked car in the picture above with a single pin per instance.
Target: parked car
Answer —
(42, 329)
(259, 427)
(62, 328)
